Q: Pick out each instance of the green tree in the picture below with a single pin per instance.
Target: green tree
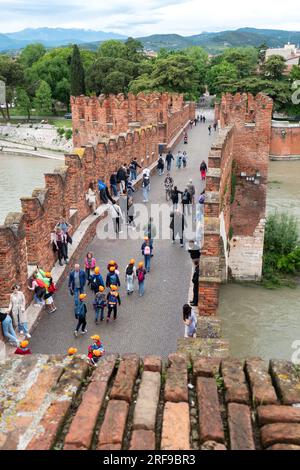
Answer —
(134, 50)
(77, 73)
(12, 73)
(43, 98)
(245, 60)
(142, 83)
(222, 78)
(262, 49)
(31, 54)
(274, 68)
(23, 102)
(101, 76)
(113, 49)
(200, 60)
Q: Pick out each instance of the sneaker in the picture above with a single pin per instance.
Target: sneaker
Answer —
(54, 310)
(181, 245)
(28, 336)
(76, 333)
(121, 231)
(173, 241)
(21, 332)
(84, 332)
(60, 263)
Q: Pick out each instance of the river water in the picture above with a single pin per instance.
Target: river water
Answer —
(19, 176)
(257, 321)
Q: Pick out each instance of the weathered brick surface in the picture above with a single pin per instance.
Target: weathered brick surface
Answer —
(287, 380)
(125, 379)
(236, 389)
(206, 366)
(211, 445)
(278, 414)
(176, 381)
(240, 427)
(64, 392)
(152, 363)
(210, 422)
(113, 427)
(147, 402)
(287, 447)
(287, 144)
(176, 427)
(81, 430)
(142, 440)
(280, 433)
(263, 392)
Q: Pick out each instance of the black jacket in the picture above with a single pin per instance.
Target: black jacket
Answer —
(113, 179)
(175, 196)
(186, 198)
(169, 158)
(196, 274)
(203, 167)
(121, 175)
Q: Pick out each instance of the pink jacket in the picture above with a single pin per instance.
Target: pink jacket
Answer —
(90, 263)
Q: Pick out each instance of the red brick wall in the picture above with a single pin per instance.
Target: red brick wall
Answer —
(285, 141)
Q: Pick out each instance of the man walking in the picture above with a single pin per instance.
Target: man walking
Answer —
(77, 281)
(195, 280)
(177, 226)
(133, 169)
(169, 158)
(121, 178)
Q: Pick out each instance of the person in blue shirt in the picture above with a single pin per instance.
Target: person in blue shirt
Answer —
(96, 280)
(77, 281)
(112, 277)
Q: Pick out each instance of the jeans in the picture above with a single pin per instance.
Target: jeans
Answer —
(116, 222)
(114, 189)
(77, 291)
(146, 193)
(81, 323)
(99, 311)
(141, 288)
(133, 175)
(129, 279)
(147, 262)
(23, 327)
(196, 293)
(169, 166)
(112, 308)
(8, 330)
(38, 300)
(122, 186)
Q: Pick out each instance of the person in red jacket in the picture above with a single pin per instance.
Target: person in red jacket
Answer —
(23, 349)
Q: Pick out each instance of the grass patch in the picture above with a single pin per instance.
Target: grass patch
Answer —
(61, 123)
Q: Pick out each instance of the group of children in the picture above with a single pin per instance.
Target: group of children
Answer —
(44, 288)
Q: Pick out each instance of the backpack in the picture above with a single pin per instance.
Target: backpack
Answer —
(112, 299)
(145, 181)
(113, 279)
(147, 250)
(99, 302)
(101, 185)
(129, 270)
(81, 310)
(141, 275)
(52, 288)
(185, 197)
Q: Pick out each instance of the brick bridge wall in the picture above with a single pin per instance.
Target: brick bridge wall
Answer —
(118, 129)
(235, 212)
(285, 140)
(109, 115)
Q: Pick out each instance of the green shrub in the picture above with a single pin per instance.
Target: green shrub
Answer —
(61, 131)
(68, 134)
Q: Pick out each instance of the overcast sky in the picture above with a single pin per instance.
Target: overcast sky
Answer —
(145, 17)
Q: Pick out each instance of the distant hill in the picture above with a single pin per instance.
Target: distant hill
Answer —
(53, 37)
(212, 42)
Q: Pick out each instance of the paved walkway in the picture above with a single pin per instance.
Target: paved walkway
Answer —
(148, 325)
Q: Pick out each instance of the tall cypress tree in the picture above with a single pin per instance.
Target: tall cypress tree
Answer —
(77, 73)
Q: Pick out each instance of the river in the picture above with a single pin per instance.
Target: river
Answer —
(19, 176)
(257, 321)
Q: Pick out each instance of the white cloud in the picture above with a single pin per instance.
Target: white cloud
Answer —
(144, 17)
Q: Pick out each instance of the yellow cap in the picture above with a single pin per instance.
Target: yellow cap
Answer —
(24, 344)
(96, 337)
(111, 263)
(141, 264)
(114, 288)
(97, 270)
(112, 269)
(132, 261)
(72, 351)
(82, 296)
(146, 238)
(48, 274)
(101, 289)
(97, 352)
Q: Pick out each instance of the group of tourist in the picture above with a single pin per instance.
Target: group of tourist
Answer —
(105, 292)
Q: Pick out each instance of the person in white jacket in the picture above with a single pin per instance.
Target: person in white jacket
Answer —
(116, 215)
(17, 308)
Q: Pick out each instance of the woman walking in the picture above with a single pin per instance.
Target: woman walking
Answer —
(146, 252)
(184, 159)
(61, 242)
(190, 321)
(130, 275)
(179, 160)
(18, 312)
(141, 274)
(203, 170)
(175, 197)
(90, 264)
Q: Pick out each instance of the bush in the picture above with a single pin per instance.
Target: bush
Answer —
(61, 131)
(68, 134)
(281, 249)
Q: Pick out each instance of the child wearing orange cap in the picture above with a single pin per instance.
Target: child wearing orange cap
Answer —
(113, 263)
(97, 345)
(99, 304)
(141, 274)
(72, 351)
(96, 356)
(96, 280)
(81, 315)
(23, 349)
(112, 277)
(113, 299)
(130, 275)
